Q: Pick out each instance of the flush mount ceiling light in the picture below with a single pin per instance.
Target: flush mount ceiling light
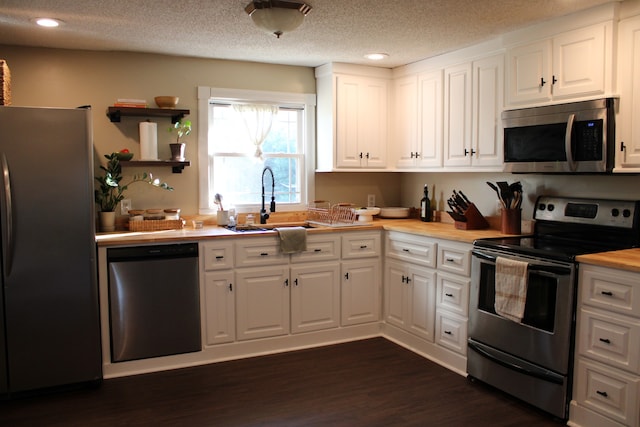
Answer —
(277, 16)
(376, 56)
(47, 22)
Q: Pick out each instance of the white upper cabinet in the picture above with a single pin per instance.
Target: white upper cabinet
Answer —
(628, 128)
(472, 107)
(352, 117)
(572, 65)
(418, 121)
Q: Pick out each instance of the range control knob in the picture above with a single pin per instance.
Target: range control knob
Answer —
(542, 206)
(550, 207)
(626, 213)
(615, 212)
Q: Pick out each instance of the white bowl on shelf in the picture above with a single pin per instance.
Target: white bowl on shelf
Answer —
(366, 214)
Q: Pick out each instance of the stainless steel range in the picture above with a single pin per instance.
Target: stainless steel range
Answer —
(530, 355)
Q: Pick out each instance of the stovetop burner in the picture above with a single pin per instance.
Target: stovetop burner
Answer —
(567, 227)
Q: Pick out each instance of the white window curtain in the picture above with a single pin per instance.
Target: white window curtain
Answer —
(257, 119)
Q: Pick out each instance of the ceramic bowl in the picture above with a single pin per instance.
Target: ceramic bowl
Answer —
(166, 101)
(125, 156)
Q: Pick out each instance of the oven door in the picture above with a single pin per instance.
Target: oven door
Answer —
(544, 336)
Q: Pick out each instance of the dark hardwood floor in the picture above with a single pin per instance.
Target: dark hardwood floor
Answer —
(365, 383)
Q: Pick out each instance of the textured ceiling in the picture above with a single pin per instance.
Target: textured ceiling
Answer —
(334, 30)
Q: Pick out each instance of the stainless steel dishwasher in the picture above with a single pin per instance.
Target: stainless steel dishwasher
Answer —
(154, 301)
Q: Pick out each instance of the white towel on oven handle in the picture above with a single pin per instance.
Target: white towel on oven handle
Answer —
(511, 288)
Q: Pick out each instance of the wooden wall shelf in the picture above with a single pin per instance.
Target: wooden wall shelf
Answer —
(176, 166)
(116, 113)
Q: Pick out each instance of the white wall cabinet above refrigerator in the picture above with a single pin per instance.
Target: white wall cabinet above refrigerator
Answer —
(570, 66)
(353, 120)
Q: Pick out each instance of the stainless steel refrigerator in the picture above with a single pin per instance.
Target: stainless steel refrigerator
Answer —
(49, 313)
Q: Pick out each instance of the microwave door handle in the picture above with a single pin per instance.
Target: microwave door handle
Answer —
(567, 143)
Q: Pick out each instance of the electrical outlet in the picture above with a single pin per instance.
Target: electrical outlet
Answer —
(125, 206)
(371, 200)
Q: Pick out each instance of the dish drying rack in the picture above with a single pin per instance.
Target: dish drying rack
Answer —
(322, 213)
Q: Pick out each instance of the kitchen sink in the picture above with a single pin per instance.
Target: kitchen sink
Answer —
(265, 227)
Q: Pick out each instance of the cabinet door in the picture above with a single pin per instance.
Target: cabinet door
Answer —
(579, 63)
(360, 291)
(406, 122)
(430, 109)
(488, 94)
(262, 302)
(396, 294)
(361, 122)
(422, 302)
(628, 128)
(219, 307)
(529, 73)
(457, 115)
(315, 297)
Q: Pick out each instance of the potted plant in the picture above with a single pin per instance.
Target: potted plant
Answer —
(182, 128)
(110, 191)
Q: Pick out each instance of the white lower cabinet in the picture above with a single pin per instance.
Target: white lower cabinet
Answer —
(315, 296)
(360, 293)
(219, 307)
(410, 298)
(262, 301)
(607, 362)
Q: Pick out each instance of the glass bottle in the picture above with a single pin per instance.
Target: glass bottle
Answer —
(425, 206)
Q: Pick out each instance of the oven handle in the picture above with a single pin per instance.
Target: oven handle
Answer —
(559, 271)
(541, 373)
(567, 143)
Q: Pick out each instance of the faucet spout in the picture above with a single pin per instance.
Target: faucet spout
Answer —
(264, 216)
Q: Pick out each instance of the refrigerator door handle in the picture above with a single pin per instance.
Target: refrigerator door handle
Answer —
(8, 217)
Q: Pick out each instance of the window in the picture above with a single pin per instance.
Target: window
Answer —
(227, 156)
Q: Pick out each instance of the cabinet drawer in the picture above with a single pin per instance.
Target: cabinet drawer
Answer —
(454, 258)
(452, 293)
(451, 332)
(217, 255)
(410, 248)
(614, 340)
(319, 248)
(259, 251)
(608, 392)
(610, 289)
(360, 245)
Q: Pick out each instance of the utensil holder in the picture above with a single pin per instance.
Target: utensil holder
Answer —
(474, 220)
(510, 221)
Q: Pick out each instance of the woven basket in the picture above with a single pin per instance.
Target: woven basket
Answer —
(156, 225)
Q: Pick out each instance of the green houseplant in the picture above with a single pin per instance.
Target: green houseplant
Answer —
(109, 191)
(181, 128)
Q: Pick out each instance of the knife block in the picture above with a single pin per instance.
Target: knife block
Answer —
(475, 220)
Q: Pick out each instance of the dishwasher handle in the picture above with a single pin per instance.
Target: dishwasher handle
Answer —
(136, 253)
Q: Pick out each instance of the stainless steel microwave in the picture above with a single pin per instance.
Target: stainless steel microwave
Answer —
(577, 137)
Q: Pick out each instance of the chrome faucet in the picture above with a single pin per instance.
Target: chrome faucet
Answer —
(264, 216)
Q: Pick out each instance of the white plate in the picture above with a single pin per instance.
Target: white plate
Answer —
(394, 212)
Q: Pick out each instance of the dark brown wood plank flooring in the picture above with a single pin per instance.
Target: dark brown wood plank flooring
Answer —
(372, 382)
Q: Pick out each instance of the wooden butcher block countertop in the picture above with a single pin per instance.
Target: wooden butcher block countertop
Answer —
(627, 259)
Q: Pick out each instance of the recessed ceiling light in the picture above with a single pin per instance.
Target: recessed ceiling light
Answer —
(376, 56)
(47, 22)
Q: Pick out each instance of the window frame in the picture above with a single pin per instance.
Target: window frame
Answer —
(297, 100)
